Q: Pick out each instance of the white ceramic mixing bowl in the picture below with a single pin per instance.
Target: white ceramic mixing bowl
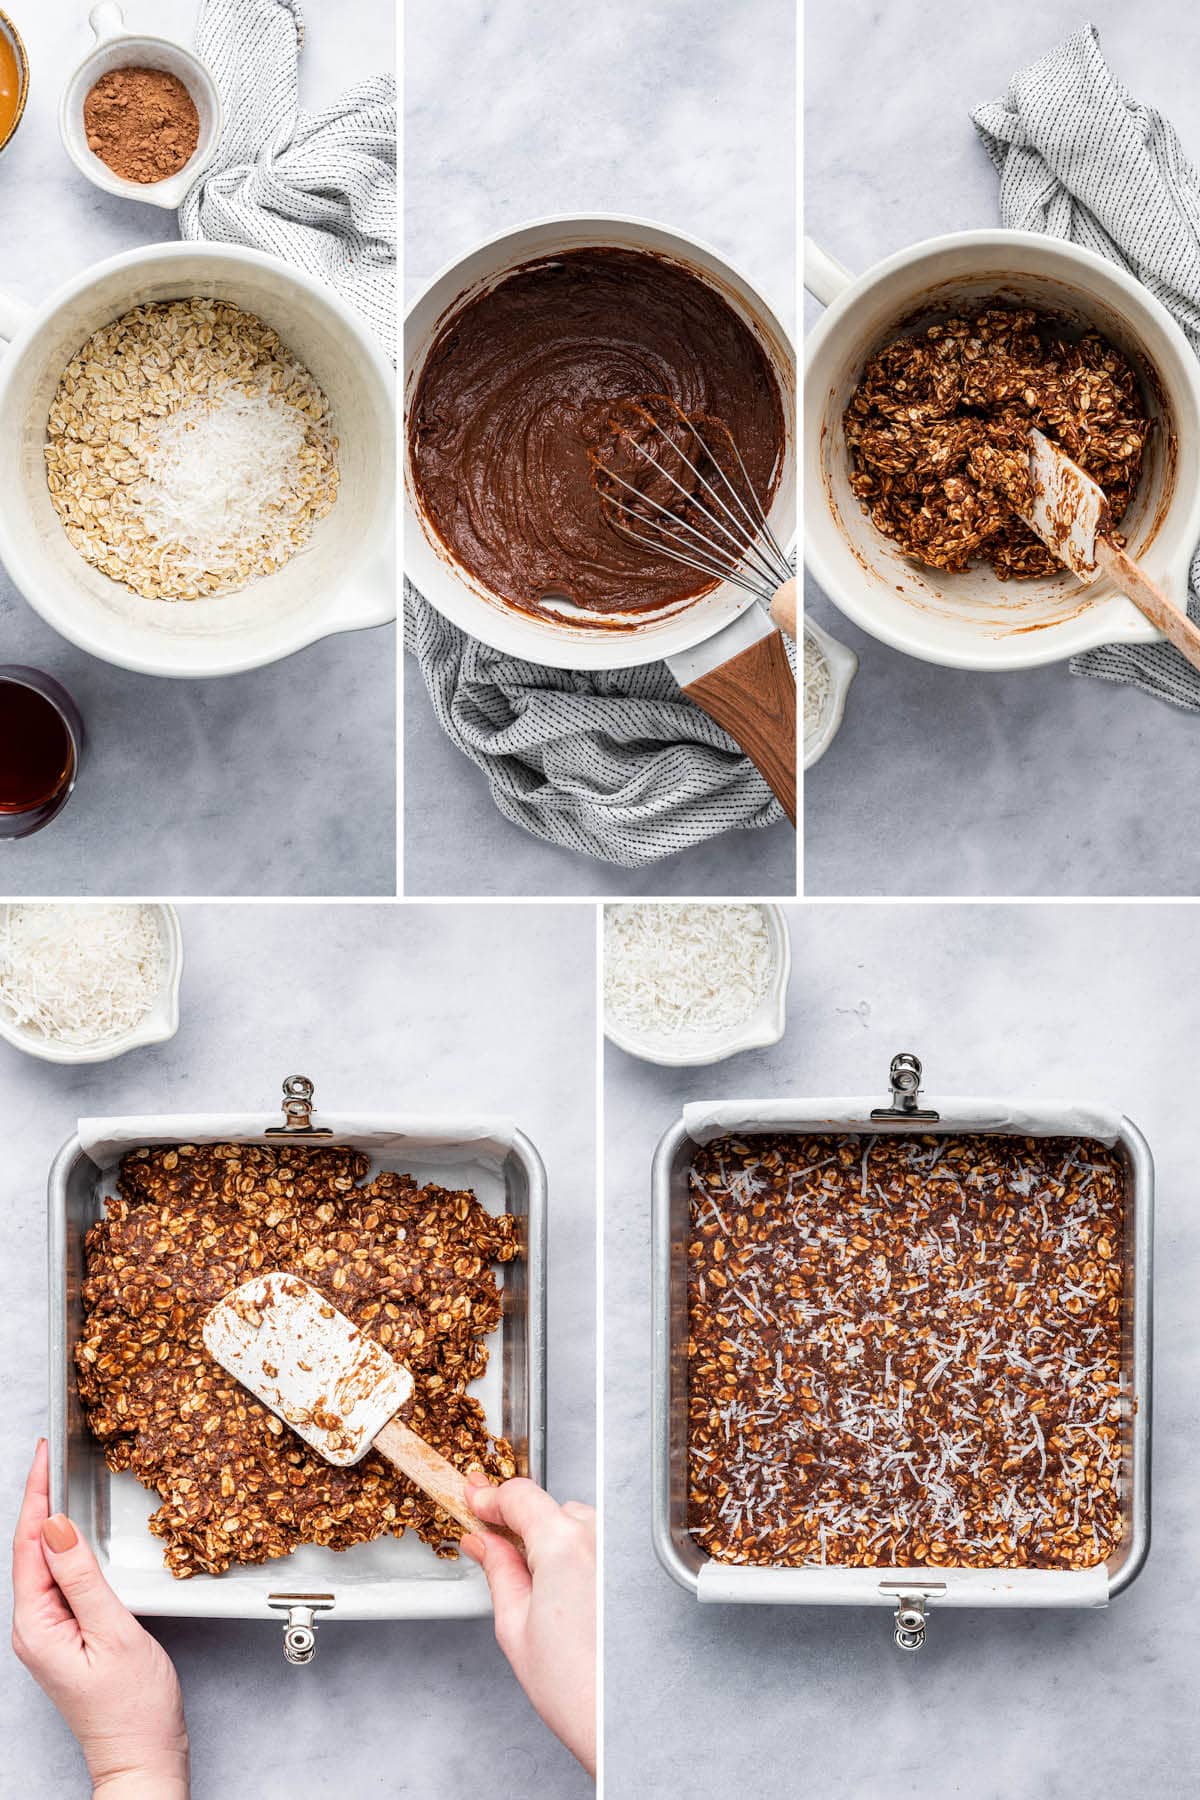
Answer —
(343, 580)
(974, 620)
(622, 641)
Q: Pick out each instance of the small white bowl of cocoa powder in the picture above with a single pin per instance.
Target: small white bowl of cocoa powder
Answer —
(140, 116)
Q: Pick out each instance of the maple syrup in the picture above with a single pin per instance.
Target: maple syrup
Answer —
(37, 752)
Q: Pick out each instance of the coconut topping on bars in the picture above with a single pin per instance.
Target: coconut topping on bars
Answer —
(906, 1350)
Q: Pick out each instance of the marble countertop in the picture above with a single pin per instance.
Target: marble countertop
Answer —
(513, 112)
(773, 1701)
(389, 1009)
(279, 781)
(1037, 783)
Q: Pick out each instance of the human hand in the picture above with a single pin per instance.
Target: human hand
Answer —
(112, 1682)
(544, 1602)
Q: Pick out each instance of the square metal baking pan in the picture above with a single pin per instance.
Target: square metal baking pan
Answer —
(909, 1591)
(390, 1578)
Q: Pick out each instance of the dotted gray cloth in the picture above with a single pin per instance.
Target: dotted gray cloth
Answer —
(315, 189)
(1080, 159)
(618, 765)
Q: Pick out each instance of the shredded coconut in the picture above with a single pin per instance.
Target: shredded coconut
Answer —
(817, 687)
(219, 480)
(692, 968)
(79, 974)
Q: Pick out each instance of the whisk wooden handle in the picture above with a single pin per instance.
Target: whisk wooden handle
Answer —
(753, 697)
(783, 607)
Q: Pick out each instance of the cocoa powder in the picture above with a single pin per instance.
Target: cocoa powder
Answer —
(142, 123)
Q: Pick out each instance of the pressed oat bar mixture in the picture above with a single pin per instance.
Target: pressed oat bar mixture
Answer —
(409, 1265)
(938, 432)
(905, 1351)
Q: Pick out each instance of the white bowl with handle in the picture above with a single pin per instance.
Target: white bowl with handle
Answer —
(619, 640)
(116, 48)
(343, 580)
(974, 620)
(721, 647)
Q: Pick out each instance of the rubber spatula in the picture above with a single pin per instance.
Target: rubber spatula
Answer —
(1071, 515)
(337, 1389)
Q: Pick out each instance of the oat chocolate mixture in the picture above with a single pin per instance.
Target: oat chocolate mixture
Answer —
(409, 1265)
(938, 434)
(905, 1351)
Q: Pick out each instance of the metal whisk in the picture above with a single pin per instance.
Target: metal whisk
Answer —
(732, 540)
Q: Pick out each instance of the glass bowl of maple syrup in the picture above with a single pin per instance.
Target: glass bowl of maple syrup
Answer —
(41, 740)
(14, 78)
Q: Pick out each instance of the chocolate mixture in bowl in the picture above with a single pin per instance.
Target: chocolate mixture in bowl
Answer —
(520, 389)
(938, 432)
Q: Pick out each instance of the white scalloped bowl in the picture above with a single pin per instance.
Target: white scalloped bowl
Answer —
(158, 1024)
(765, 1025)
(842, 663)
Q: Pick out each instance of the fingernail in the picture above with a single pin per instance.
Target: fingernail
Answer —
(471, 1546)
(59, 1534)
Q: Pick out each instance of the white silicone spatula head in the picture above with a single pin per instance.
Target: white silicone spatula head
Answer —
(1069, 509)
(336, 1388)
(305, 1361)
(1072, 517)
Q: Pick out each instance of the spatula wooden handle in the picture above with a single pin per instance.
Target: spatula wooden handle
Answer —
(1150, 599)
(431, 1472)
(753, 698)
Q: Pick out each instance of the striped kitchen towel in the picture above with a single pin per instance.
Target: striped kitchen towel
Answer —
(618, 764)
(315, 189)
(1080, 159)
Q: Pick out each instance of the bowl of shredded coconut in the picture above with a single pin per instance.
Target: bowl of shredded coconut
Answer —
(829, 668)
(84, 981)
(694, 982)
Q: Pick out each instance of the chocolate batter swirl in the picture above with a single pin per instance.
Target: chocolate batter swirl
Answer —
(504, 421)
(672, 483)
